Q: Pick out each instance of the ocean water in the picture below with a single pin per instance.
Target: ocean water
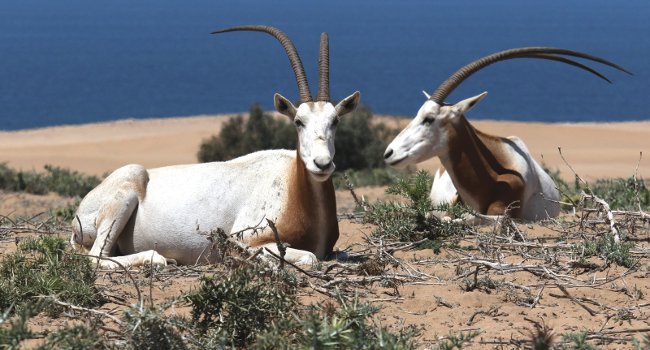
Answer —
(78, 61)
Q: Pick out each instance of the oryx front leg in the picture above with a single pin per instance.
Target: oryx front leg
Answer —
(112, 217)
(294, 256)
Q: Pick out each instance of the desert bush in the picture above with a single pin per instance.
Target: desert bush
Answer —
(147, 328)
(457, 340)
(236, 138)
(622, 194)
(359, 141)
(606, 247)
(14, 330)
(43, 267)
(74, 337)
(242, 302)
(576, 341)
(347, 325)
(411, 220)
(67, 213)
(62, 181)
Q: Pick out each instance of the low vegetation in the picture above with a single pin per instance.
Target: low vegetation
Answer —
(247, 305)
(587, 261)
(411, 219)
(54, 179)
(43, 267)
(631, 193)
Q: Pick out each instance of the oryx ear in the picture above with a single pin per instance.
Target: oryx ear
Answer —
(348, 104)
(467, 104)
(284, 106)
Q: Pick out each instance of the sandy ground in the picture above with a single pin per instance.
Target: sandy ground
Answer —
(440, 304)
(594, 150)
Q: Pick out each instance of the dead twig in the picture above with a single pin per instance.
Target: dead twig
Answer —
(566, 293)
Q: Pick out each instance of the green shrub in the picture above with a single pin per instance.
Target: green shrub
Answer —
(622, 194)
(236, 138)
(74, 337)
(242, 303)
(607, 248)
(359, 142)
(344, 326)
(577, 341)
(411, 220)
(43, 267)
(457, 340)
(62, 181)
(67, 213)
(147, 329)
(14, 331)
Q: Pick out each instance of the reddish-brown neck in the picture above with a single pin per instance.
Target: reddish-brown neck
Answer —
(478, 167)
(309, 220)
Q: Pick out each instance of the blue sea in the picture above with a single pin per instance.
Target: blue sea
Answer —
(80, 61)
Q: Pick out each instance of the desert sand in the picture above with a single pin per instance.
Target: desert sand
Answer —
(440, 304)
(594, 150)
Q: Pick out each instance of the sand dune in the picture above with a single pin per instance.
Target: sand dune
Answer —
(594, 150)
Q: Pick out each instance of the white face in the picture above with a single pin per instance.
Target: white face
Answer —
(427, 135)
(316, 126)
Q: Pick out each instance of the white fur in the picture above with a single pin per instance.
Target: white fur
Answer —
(163, 213)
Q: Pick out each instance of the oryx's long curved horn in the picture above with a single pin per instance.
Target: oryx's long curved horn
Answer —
(324, 69)
(292, 53)
(549, 53)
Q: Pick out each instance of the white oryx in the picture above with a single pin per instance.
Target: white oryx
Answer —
(487, 173)
(150, 215)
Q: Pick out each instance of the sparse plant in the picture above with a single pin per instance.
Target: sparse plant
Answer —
(55, 179)
(643, 342)
(236, 138)
(43, 266)
(412, 220)
(74, 337)
(146, 328)
(67, 213)
(577, 341)
(606, 247)
(622, 194)
(13, 331)
(242, 303)
(346, 326)
(457, 340)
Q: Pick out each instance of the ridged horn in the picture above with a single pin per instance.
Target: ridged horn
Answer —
(548, 53)
(324, 69)
(292, 53)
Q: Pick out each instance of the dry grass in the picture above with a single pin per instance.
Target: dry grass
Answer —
(561, 283)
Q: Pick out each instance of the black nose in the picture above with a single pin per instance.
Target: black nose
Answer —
(389, 152)
(323, 165)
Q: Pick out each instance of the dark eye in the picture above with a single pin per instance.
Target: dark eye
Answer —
(428, 120)
(299, 123)
(335, 122)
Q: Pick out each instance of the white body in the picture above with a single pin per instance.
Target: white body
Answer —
(151, 215)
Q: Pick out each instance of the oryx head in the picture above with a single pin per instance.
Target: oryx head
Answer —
(315, 121)
(428, 134)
